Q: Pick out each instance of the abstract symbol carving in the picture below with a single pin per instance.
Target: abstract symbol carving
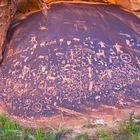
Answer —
(126, 58)
(37, 107)
(28, 102)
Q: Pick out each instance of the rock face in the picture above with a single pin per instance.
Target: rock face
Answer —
(82, 62)
(7, 11)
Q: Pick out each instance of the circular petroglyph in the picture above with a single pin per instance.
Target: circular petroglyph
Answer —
(37, 107)
(126, 58)
(28, 102)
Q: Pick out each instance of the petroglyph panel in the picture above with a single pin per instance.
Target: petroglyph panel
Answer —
(71, 63)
